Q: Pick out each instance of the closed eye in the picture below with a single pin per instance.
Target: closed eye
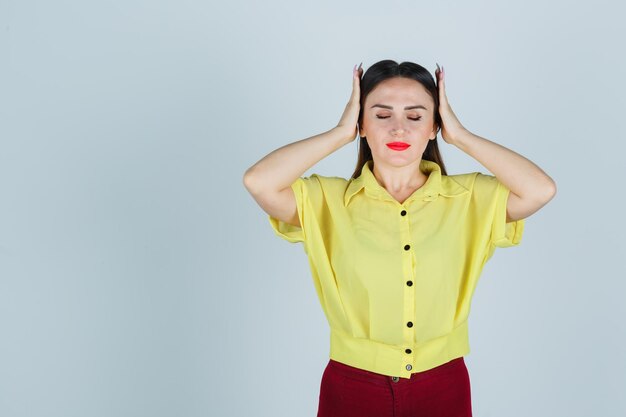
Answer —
(387, 117)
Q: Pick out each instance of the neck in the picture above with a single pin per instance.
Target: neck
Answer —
(399, 179)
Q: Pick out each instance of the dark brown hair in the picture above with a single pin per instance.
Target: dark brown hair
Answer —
(383, 70)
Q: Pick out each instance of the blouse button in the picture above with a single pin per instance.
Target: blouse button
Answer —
(409, 367)
(409, 283)
(410, 324)
(407, 350)
(407, 247)
(403, 213)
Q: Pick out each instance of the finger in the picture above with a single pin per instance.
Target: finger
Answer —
(356, 81)
(443, 97)
(358, 71)
(440, 73)
(441, 77)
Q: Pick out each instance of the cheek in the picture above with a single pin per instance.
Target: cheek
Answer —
(425, 128)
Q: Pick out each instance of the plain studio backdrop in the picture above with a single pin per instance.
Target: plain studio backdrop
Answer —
(139, 278)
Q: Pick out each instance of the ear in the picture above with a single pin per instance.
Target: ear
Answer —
(433, 132)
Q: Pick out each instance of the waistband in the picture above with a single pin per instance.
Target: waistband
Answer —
(380, 379)
(392, 359)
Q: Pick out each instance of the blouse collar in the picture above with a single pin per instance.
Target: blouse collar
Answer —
(435, 185)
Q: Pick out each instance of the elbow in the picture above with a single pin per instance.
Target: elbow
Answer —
(548, 191)
(254, 182)
(551, 189)
(249, 180)
(541, 194)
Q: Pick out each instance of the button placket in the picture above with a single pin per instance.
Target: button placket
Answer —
(409, 293)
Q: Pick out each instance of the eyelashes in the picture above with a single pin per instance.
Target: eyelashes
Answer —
(387, 117)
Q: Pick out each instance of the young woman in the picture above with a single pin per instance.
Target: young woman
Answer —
(396, 250)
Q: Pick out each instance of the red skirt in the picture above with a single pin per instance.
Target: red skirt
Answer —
(443, 391)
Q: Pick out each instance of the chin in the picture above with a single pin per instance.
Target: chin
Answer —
(398, 161)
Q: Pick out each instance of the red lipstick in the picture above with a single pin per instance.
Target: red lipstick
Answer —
(398, 146)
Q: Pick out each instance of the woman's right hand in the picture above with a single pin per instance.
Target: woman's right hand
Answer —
(348, 124)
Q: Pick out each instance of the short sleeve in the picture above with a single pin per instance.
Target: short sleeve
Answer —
(491, 196)
(288, 231)
(504, 234)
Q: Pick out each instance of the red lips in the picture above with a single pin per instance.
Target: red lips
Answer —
(398, 146)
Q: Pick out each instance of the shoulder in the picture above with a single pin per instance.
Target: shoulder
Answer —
(322, 188)
(483, 188)
(470, 180)
(457, 184)
(327, 182)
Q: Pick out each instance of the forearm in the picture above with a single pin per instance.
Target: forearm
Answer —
(281, 167)
(518, 174)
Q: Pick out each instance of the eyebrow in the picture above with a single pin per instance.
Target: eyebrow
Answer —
(419, 106)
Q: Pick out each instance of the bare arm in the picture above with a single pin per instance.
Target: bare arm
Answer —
(530, 187)
(269, 180)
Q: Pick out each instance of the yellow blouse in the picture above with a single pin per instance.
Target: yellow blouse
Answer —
(395, 280)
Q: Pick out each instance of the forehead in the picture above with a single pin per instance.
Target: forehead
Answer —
(399, 90)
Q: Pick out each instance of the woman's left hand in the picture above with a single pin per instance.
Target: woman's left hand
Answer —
(451, 128)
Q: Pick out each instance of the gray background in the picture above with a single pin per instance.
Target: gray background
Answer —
(139, 278)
